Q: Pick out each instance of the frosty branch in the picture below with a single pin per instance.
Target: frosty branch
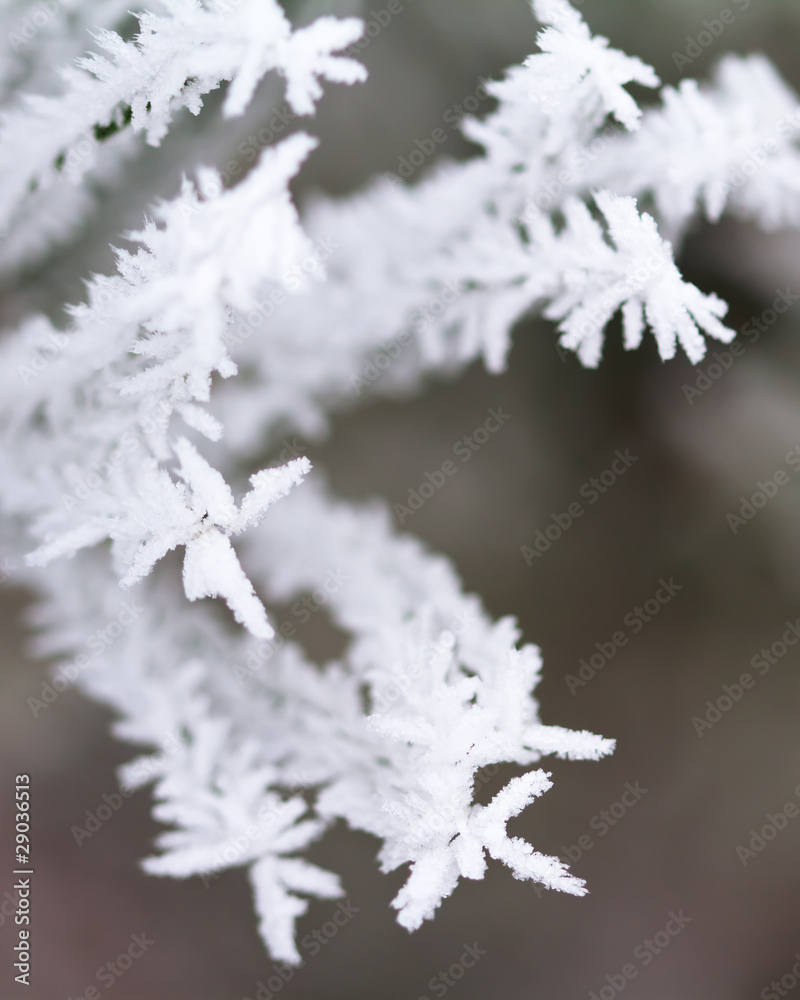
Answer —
(106, 417)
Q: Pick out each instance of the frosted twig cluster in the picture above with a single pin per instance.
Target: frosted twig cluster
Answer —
(204, 347)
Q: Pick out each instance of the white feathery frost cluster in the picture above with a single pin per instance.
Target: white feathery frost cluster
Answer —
(132, 422)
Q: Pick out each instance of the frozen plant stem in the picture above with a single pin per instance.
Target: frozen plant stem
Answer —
(104, 421)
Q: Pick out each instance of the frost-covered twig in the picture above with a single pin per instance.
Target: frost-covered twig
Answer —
(176, 59)
(103, 424)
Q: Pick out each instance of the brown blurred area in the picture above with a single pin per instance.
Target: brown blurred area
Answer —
(673, 851)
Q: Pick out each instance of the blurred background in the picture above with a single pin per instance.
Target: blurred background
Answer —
(670, 849)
